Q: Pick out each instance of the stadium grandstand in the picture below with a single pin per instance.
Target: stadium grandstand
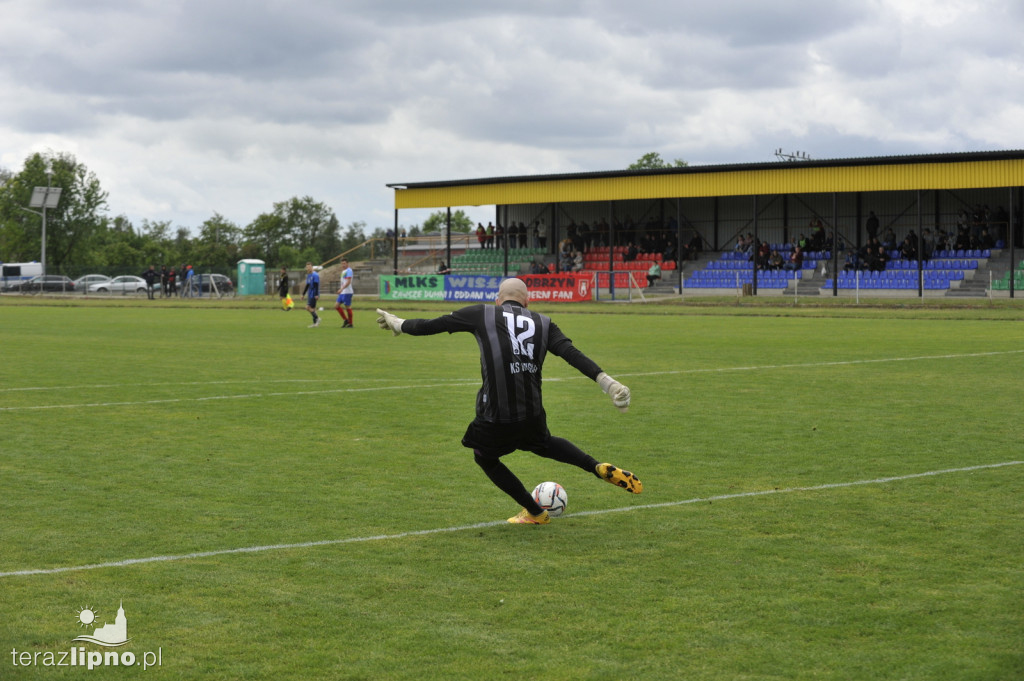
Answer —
(935, 224)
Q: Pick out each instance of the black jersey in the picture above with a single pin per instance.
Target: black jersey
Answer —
(513, 344)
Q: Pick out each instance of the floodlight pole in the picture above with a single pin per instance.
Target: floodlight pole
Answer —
(43, 197)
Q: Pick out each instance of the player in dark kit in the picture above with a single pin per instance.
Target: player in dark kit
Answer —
(509, 414)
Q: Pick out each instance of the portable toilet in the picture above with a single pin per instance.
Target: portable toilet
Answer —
(252, 277)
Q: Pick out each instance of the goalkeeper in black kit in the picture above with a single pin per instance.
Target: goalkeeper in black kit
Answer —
(509, 413)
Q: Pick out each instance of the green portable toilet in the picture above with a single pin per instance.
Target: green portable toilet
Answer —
(252, 277)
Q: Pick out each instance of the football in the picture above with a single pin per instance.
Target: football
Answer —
(551, 497)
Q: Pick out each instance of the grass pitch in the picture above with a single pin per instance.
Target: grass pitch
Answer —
(768, 543)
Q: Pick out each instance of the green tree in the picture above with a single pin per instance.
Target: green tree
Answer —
(71, 227)
(265, 236)
(437, 221)
(217, 247)
(653, 161)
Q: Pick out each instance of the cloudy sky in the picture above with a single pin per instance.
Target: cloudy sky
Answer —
(184, 108)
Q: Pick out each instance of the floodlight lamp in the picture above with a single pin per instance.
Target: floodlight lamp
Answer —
(44, 197)
(53, 197)
(38, 197)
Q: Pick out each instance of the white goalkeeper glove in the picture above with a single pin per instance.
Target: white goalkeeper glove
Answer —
(386, 321)
(618, 392)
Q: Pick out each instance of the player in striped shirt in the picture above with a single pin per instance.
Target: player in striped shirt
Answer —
(514, 342)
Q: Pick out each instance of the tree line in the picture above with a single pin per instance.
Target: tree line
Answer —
(81, 237)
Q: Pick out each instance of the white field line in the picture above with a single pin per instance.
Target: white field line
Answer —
(494, 523)
(437, 383)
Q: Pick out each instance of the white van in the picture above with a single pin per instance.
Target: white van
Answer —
(14, 272)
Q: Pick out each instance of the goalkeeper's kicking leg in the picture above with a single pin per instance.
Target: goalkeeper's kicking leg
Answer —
(562, 450)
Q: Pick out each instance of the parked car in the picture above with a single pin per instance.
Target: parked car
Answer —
(82, 284)
(46, 283)
(124, 284)
(201, 282)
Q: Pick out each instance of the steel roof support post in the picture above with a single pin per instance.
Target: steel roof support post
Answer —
(860, 221)
(394, 244)
(1013, 237)
(835, 241)
(448, 248)
(611, 250)
(504, 239)
(679, 242)
(920, 247)
(785, 218)
(835, 246)
(715, 219)
(755, 249)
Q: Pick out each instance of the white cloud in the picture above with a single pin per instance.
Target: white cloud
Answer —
(186, 108)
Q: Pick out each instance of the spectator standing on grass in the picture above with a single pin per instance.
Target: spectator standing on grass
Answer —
(513, 343)
(172, 283)
(150, 276)
(163, 281)
(190, 281)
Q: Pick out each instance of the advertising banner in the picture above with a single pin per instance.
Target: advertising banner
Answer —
(559, 288)
(471, 288)
(412, 287)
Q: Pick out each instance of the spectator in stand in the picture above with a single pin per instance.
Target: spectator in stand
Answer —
(817, 239)
(537, 267)
(1000, 220)
(941, 240)
(881, 259)
(490, 235)
(872, 225)
(481, 234)
(577, 261)
(741, 243)
(908, 249)
(852, 263)
(586, 236)
(963, 238)
(565, 255)
(653, 273)
(796, 260)
(889, 239)
(670, 250)
(985, 239)
(927, 244)
(695, 246)
(775, 260)
(764, 251)
(631, 252)
(443, 268)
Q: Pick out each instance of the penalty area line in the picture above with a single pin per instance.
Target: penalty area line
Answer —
(495, 523)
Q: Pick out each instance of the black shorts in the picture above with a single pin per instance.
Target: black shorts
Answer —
(498, 439)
